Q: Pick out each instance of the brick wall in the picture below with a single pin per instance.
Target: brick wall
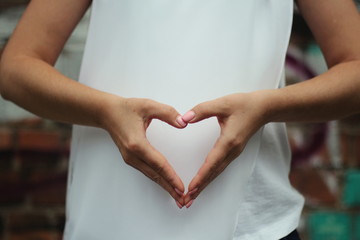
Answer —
(33, 172)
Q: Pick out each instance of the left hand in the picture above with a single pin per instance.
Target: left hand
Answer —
(240, 116)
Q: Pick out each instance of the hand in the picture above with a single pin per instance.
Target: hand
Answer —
(127, 121)
(239, 117)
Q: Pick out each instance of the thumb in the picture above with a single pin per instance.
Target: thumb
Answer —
(203, 111)
(166, 114)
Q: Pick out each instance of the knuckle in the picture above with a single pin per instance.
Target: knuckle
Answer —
(157, 167)
(165, 111)
(147, 105)
(133, 146)
(231, 143)
(170, 178)
(131, 104)
(126, 155)
(143, 106)
(234, 142)
(226, 106)
(211, 178)
(213, 168)
(156, 178)
(170, 110)
(202, 109)
(238, 143)
(127, 161)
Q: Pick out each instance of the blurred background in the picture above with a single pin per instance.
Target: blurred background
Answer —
(34, 152)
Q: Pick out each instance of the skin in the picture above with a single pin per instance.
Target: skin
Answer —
(27, 77)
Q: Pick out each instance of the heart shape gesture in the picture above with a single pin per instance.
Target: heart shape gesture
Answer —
(239, 117)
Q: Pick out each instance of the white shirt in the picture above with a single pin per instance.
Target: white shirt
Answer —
(182, 53)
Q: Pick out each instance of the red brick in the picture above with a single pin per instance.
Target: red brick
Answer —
(39, 226)
(39, 149)
(47, 189)
(26, 123)
(12, 189)
(24, 221)
(39, 140)
(309, 182)
(6, 140)
(33, 161)
(54, 196)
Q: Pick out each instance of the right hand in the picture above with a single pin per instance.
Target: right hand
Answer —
(127, 120)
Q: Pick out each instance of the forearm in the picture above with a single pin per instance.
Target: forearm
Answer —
(36, 86)
(332, 95)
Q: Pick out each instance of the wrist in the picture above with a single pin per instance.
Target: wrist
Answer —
(110, 106)
(266, 104)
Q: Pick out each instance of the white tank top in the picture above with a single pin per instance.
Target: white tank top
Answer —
(181, 53)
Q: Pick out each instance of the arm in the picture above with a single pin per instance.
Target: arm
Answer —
(27, 74)
(332, 95)
(27, 78)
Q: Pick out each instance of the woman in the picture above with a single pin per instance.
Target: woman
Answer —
(143, 60)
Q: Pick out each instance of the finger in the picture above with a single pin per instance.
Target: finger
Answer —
(226, 149)
(165, 113)
(213, 108)
(223, 165)
(212, 162)
(148, 171)
(158, 163)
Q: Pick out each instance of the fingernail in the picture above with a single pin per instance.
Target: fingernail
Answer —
(193, 191)
(179, 205)
(188, 116)
(179, 192)
(180, 121)
(189, 203)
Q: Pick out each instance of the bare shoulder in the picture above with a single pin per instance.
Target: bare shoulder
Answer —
(44, 28)
(336, 27)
